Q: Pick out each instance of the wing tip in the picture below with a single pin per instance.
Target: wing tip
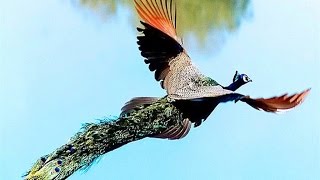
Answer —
(158, 15)
(297, 101)
(278, 104)
(304, 94)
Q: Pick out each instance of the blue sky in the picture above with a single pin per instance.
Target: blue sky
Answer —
(62, 65)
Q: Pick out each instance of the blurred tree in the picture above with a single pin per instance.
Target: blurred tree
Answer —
(195, 17)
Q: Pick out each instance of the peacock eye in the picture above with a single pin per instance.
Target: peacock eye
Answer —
(245, 78)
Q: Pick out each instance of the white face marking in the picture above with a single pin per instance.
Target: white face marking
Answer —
(245, 78)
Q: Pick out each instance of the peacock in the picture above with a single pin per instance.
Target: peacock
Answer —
(190, 98)
(140, 118)
(193, 93)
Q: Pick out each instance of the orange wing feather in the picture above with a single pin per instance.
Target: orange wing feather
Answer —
(160, 14)
(277, 103)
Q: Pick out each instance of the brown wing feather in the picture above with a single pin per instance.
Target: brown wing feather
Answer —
(277, 103)
(176, 132)
(136, 102)
(185, 130)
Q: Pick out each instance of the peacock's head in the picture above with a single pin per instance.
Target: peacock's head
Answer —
(238, 81)
(242, 78)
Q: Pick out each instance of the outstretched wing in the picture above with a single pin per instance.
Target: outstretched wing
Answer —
(277, 103)
(159, 43)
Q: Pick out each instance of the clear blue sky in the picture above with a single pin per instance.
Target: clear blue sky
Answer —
(62, 65)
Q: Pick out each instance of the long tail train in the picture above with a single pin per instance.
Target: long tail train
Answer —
(96, 139)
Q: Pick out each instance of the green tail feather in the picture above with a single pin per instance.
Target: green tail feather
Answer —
(96, 139)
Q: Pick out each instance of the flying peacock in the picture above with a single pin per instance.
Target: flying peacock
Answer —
(140, 118)
(195, 94)
(191, 98)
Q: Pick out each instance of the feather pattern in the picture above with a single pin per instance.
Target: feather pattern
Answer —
(159, 49)
(277, 103)
(136, 103)
(160, 14)
(159, 42)
(160, 45)
(196, 92)
(177, 132)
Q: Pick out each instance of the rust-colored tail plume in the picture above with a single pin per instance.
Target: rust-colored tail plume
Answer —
(277, 103)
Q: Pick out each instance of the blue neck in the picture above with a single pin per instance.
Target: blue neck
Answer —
(234, 86)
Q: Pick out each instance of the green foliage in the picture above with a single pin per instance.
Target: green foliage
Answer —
(194, 17)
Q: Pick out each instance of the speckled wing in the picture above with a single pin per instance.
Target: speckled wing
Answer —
(278, 103)
(198, 92)
(160, 45)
